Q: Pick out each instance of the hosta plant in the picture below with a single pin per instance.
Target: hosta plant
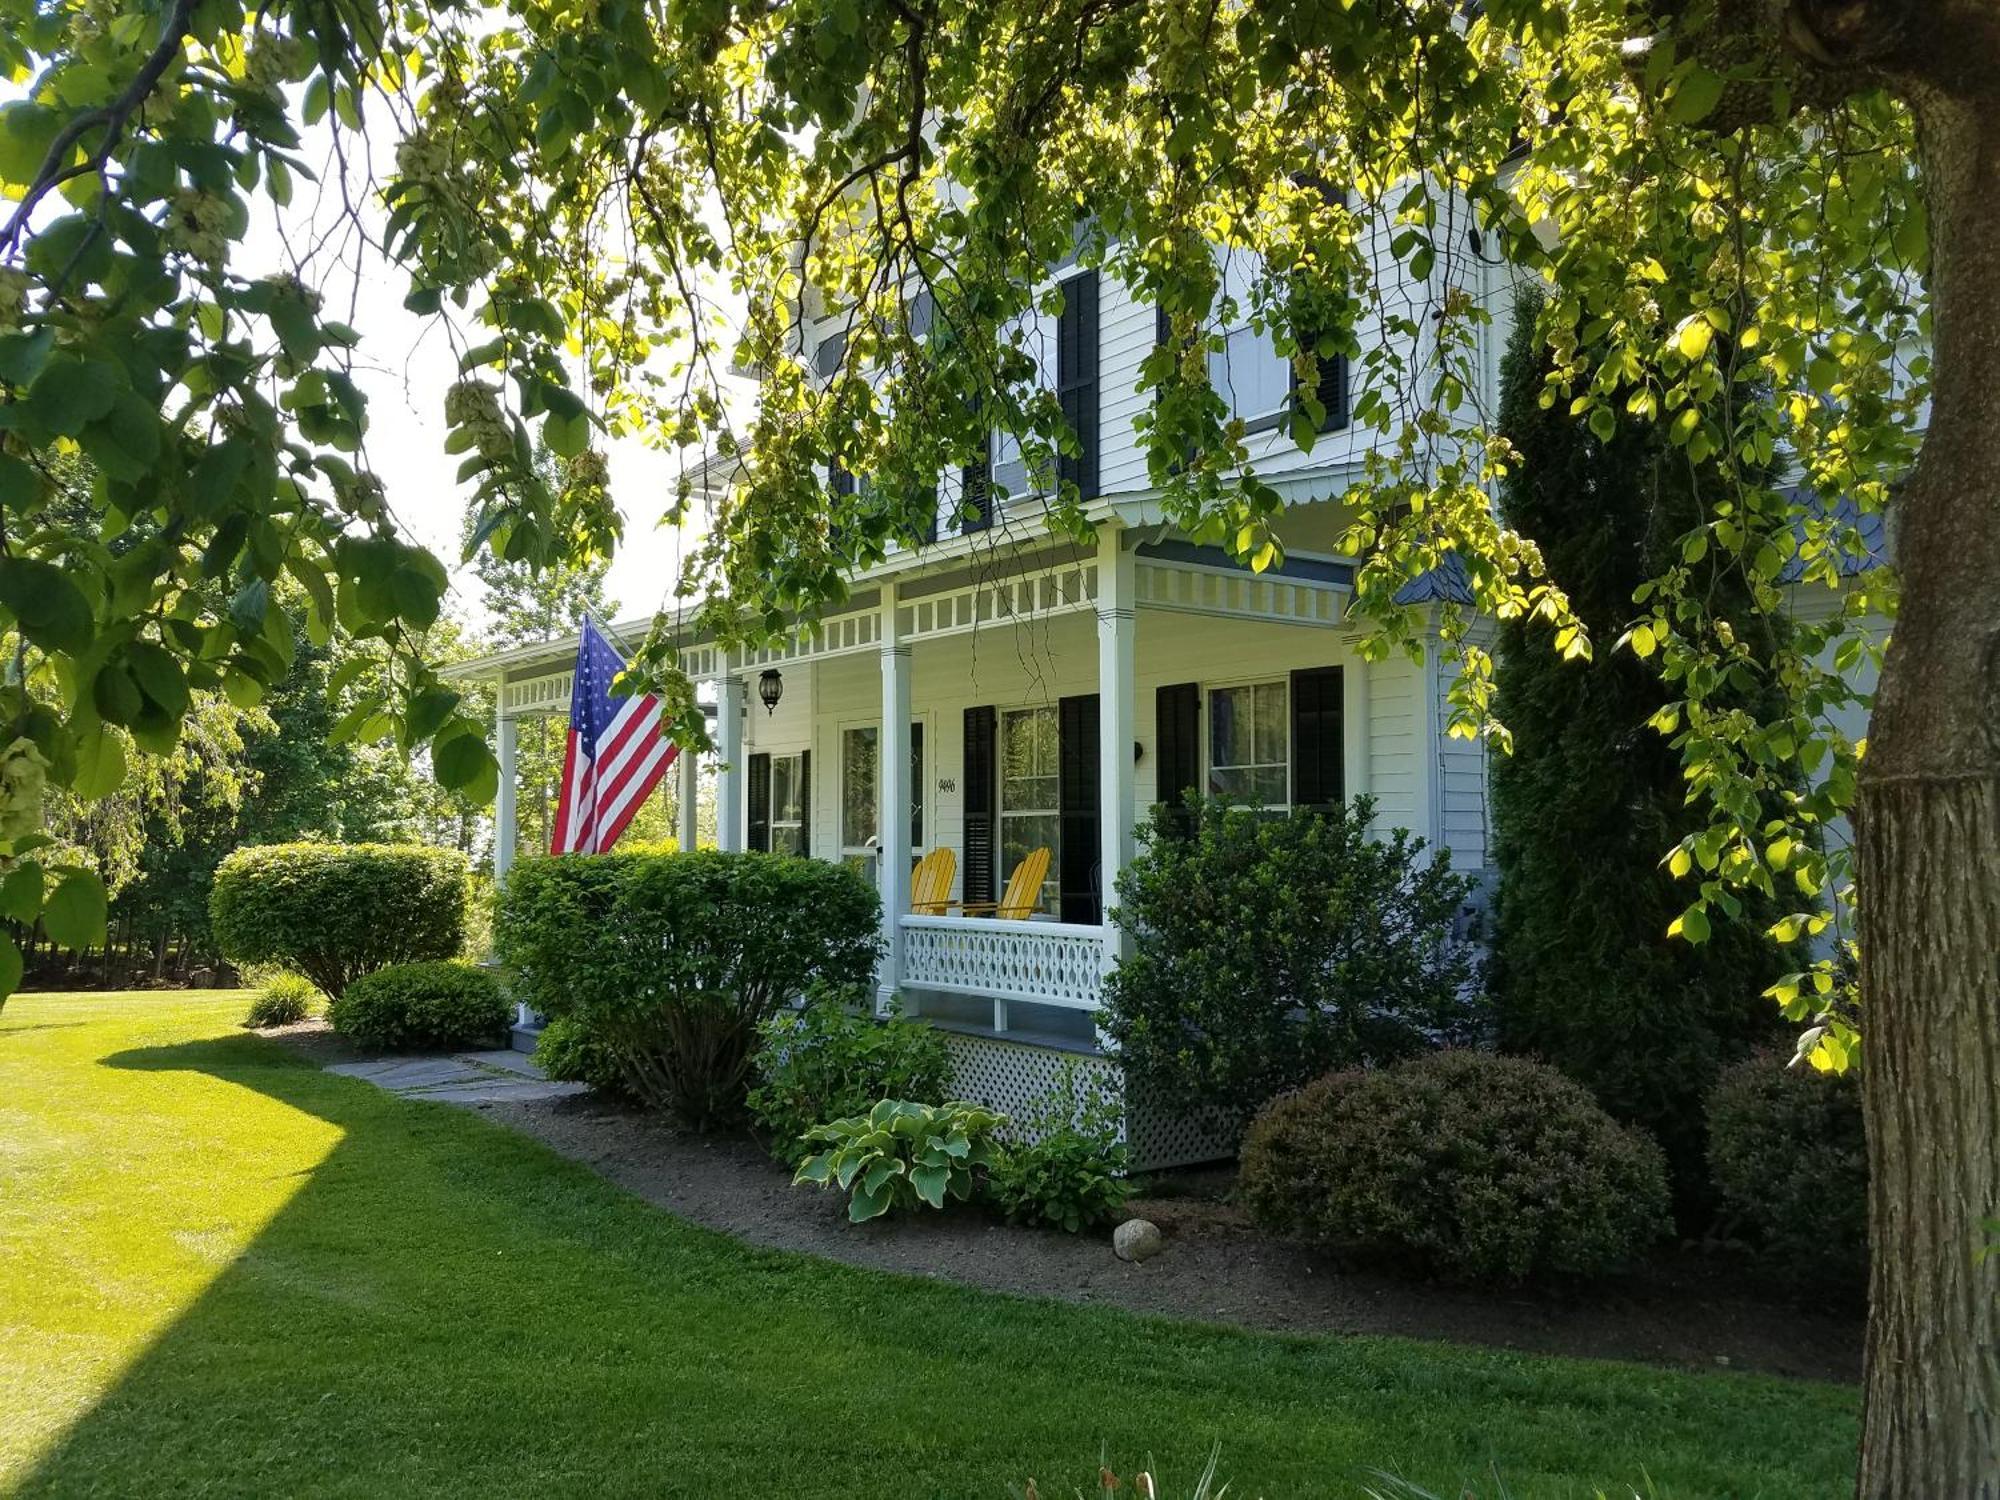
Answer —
(901, 1154)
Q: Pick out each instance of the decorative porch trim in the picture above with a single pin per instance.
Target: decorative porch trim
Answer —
(1191, 588)
(1044, 963)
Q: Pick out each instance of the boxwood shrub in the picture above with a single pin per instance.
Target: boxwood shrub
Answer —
(1464, 1165)
(334, 912)
(674, 960)
(1269, 950)
(1789, 1160)
(435, 1005)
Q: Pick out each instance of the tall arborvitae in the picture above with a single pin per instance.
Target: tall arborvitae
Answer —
(1592, 797)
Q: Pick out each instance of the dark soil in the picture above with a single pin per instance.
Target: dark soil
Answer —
(1684, 1308)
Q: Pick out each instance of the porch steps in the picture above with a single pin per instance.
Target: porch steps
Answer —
(524, 1035)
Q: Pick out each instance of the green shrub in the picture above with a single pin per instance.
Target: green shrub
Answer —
(431, 1006)
(674, 960)
(1789, 1161)
(1463, 1164)
(570, 1052)
(901, 1154)
(1065, 1161)
(285, 1000)
(833, 1060)
(335, 912)
(1267, 951)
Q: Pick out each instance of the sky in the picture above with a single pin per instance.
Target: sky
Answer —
(404, 363)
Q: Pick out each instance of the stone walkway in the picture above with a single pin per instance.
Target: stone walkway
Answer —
(463, 1078)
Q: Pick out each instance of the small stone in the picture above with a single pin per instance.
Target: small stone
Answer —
(1137, 1239)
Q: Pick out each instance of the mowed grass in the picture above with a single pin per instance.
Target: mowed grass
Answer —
(225, 1272)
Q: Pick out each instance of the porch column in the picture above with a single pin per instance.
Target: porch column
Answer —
(1117, 733)
(892, 782)
(687, 831)
(506, 735)
(729, 772)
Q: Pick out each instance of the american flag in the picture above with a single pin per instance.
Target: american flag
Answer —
(615, 756)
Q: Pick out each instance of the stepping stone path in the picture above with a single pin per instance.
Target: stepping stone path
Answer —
(463, 1078)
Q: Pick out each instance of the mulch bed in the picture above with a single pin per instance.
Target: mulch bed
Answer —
(1686, 1309)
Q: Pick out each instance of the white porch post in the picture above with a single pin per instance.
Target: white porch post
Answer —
(687, 831)
(892, 782)
(1117, 630)
(506, 735)
(730, 780)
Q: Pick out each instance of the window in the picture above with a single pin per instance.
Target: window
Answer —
(1030, 812)
(788, 804)
(1064, 350)
(1246, 371)
(1248, 744)
(857, 790)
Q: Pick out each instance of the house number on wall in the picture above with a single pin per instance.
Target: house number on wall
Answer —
(946, 784)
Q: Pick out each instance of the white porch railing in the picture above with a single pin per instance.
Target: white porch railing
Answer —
(1047, 963)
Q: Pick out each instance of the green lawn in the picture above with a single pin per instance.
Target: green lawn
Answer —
(223, 1271)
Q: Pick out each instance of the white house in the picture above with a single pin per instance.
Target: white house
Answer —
(1001, 689)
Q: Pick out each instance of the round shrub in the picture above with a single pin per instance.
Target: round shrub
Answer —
(1789, 1161)
(285, 1001)
(1461, 1164)
(334, 912)
(422, 1006)
(833, 1060)
(568, 1051)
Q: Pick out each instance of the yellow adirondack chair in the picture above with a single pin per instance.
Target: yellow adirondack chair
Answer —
(930, 883)
(1023, 896)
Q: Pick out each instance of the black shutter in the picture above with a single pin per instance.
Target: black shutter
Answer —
(927, 530)
(1177, 747)
(1319, 719)
(805, 801)
(758, 795)
(975, 502)
(1077, 800)
(1332, 391)
(916, 783)
(1076, 380)
(980, 836)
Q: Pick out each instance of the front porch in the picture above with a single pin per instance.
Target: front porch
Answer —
(972, 705)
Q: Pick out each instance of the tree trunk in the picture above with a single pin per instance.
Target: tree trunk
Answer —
(1929, 842)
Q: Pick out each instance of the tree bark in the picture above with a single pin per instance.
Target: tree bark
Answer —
(1929, 834)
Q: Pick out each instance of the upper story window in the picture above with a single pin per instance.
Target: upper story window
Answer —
(1064, 349)
(1254, 381)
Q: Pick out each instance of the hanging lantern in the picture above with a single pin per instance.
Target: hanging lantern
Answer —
(770, 688)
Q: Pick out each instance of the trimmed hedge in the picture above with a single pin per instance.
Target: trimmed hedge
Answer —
(334, 912)
(674, 960)
(1466, 1165)
(1789, 1160)
(422, 1006)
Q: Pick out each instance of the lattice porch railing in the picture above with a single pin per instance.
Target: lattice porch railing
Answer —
(1047, 963)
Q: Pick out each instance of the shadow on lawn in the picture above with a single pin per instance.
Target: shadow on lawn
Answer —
(445, 1307)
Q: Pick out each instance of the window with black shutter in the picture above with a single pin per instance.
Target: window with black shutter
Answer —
(1076, 380)
(975, 505)
(1319, 725)
(805, 801)
(1077, 798)
(1332, 390)
(758, 796)
(1177, 748)
(978, 836)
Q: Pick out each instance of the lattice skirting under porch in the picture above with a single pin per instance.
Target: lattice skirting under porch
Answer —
(1012, 1076)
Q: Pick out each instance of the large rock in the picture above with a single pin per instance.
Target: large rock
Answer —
(1137, 1239)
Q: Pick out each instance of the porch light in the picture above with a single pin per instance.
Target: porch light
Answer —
(770, 688)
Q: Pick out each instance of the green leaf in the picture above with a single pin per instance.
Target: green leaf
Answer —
(159, 676)
(865, 1206)
(74, 914)
(428, 711)
(51, 609)
(1696, 97)
(100, 762)
(930, 1184)
(464, 764)
(21, 892)
(567, 436)
(70, 394)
